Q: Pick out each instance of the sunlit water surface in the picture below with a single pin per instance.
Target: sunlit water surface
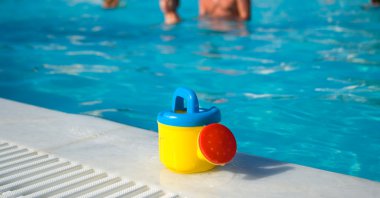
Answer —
(299, 83)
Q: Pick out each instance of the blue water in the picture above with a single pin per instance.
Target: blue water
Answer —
(299, 83)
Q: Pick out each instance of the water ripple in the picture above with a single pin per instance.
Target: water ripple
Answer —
(90, 103)
(99, 112)
(77, 69)
(270, 70)
(268, 96)
(50, 47)
(89, 52)
(234, 57)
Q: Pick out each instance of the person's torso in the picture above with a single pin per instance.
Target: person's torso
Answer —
(221, 8)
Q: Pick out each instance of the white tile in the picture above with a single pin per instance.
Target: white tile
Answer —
(43, 129)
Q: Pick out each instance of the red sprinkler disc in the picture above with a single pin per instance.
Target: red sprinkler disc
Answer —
(217, 144)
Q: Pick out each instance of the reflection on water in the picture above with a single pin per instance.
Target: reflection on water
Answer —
(50, 47)
(78, 69)
(267, 96)
(88, 52)
(223, 26)
(270, 70)
(91, 102)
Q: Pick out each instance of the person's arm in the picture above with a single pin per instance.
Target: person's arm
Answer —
(169, 8)
(202, 8)
(244, 9)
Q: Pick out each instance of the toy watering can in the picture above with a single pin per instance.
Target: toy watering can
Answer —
(190, 138)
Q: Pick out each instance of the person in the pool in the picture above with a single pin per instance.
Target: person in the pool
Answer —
(374, 4)
(222, 9)
(110, 3)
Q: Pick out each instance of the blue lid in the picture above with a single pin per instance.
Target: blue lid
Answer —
(190, 116)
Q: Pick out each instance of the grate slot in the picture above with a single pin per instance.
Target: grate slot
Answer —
(24, 167)
(7, 147)
(38, 178)
(170, 195)
(108, 190)
(130, 191)
(47, 183)
(20, 161)
(37, 172)
(82, 189)
(151, 193)
(3, 144)
(12, 152)
(28, 173)
(94, 176)
(16, 157)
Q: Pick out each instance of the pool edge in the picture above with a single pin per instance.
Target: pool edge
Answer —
(132, 153)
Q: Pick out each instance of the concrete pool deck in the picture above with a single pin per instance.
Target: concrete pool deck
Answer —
(133, 153)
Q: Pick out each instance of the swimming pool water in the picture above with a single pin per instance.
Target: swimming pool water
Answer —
(299, 83)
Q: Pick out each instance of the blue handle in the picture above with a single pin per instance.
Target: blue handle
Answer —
(180, 95)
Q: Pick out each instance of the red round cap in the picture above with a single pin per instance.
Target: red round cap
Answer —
(217, 144)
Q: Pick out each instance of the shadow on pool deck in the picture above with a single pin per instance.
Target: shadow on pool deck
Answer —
(254, 167)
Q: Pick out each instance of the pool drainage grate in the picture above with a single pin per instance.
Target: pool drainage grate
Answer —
(28, 173)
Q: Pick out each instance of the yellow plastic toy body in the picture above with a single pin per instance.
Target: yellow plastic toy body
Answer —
(179, 149)
(191, 139)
